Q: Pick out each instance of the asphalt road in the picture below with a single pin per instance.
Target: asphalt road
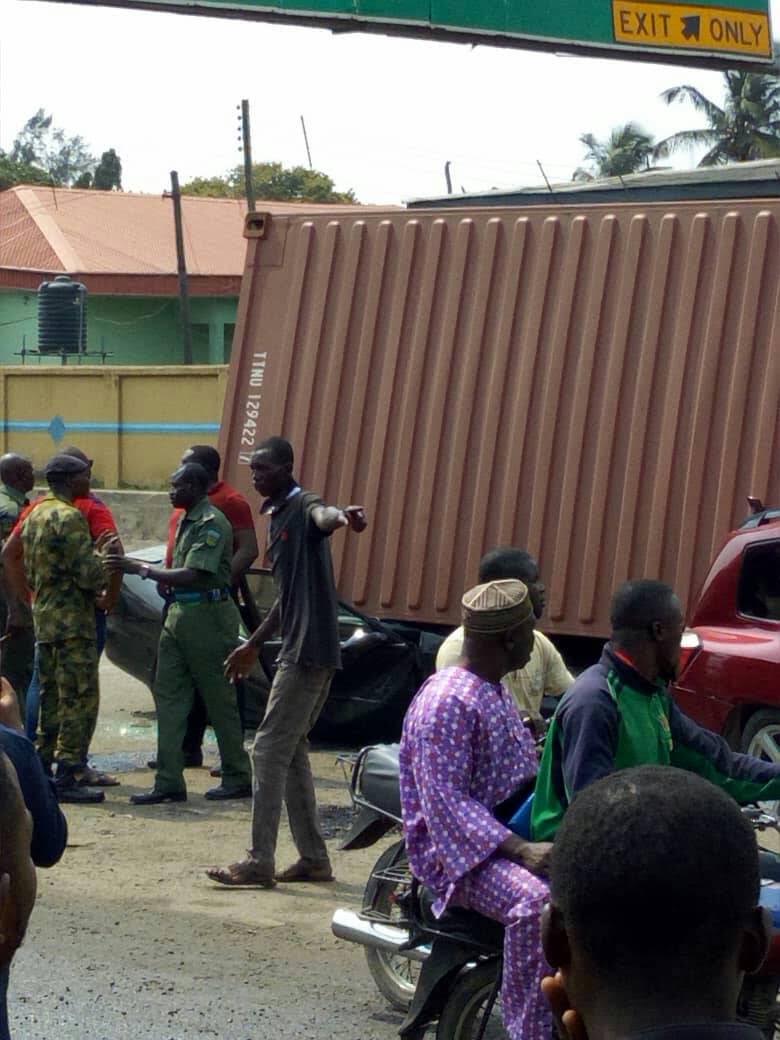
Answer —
(129, 939)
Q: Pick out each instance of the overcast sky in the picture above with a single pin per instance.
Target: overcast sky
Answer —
(382, 114)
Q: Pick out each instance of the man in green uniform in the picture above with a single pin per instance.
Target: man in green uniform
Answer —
(201, 628)
(65, 575)
(16, 482)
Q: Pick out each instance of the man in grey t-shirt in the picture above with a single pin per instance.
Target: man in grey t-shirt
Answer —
(306, 612)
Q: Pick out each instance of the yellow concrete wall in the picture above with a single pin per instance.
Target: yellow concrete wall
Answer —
(133, 421)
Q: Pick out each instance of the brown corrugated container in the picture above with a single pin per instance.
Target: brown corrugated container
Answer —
(598, 384)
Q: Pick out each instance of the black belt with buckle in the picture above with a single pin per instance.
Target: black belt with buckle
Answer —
(188, 596)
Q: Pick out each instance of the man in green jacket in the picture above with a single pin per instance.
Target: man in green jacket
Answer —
(620, 713)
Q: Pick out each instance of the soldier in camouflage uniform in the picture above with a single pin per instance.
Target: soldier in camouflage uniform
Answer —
(201, 628)
(65, 575)
(16, 482)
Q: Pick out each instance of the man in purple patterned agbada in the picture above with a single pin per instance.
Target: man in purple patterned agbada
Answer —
(464, 750)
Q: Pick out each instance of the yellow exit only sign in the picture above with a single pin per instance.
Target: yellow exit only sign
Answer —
(691, 27)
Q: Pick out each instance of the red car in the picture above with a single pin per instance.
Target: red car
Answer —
(730, 669)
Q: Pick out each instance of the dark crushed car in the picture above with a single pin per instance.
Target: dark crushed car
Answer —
(383, 662)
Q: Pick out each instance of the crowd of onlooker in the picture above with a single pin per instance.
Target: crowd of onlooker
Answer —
(62, 568)
(630, 906)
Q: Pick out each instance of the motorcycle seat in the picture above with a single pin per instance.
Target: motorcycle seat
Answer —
(462, 925)
(379, 783)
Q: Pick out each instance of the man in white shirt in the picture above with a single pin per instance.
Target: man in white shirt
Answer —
(546, 674)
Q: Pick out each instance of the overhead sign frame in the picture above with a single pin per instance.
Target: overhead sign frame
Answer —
(709, 33)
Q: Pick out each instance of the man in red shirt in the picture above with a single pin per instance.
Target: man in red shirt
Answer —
(245, 550)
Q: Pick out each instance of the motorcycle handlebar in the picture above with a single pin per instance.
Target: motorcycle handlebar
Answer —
(760, 818)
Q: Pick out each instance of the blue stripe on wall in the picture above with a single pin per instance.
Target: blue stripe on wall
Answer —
(103, 427)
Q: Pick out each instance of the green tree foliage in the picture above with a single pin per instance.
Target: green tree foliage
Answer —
(43, 153)
(68, 158)
(628, 149)
(29, 147)
(747, 126)
(108, 172)
(12, 173)
(40, 143)
(272, 182)
(213, 187)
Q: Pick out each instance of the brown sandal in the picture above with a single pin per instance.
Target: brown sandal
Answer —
(245, 873)
(307, 870)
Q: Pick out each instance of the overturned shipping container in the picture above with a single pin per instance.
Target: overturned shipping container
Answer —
(598, 384)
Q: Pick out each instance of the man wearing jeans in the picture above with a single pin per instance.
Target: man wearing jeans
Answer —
(306, 612)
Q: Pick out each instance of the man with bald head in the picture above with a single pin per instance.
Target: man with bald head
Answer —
(464, 751)
(16, 482)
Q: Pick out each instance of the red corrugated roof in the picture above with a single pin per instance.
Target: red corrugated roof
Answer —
(106, 233)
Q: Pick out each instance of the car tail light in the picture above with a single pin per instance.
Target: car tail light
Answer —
(690, 645)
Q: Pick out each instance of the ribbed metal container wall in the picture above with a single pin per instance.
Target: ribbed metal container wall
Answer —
(62, 316)
(597, 384)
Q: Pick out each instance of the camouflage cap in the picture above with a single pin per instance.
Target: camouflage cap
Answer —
(496, 606)
(64, 466)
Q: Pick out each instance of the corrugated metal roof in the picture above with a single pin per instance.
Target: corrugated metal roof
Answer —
(758, 179)
(120, 233)
(20, 236)
(599, 385)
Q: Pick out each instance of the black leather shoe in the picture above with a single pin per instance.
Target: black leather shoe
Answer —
(154, 797)
(222, 794)
(71, 794)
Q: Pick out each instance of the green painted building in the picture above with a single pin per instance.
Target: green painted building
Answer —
(121, 246)
(132, 330)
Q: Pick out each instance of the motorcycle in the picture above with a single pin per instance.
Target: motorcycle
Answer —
(758, 1001)
(373, 786)
(381, 926)
(448, 970)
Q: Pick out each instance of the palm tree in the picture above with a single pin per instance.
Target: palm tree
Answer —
(627, 150)
(746, 127)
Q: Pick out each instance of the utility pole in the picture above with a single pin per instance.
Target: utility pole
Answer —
(549, 186)
(448, 176)
(181, 266)
(246, 147)
(306, 141)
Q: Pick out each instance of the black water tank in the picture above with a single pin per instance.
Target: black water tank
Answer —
(62, 316)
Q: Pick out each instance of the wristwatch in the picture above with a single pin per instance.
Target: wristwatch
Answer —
(143, 571)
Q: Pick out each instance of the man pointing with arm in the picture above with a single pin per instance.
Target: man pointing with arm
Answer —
(307, 614)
